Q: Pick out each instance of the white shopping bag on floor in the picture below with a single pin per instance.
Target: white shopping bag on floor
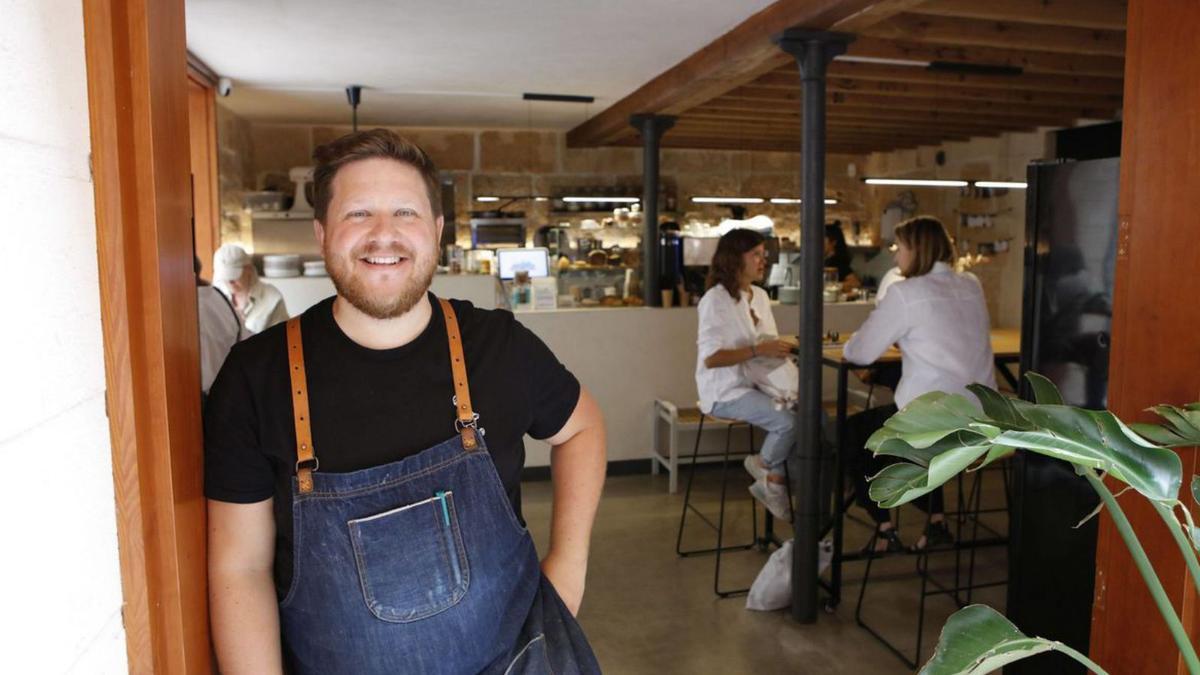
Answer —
(772, 588)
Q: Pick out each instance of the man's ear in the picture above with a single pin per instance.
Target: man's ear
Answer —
(319, 233)
(441, 224)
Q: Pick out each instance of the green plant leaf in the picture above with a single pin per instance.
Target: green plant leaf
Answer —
(1183, 422)
(999, 407)
(996, 452)
(977, 639)
(899, 484)
(897, 447)
(928, 419)
(1196, 489)
(1098, 440)
(1159, 434)
(1044, 391)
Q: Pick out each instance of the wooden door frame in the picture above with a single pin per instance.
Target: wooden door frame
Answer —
(137, 105)
(202, 129)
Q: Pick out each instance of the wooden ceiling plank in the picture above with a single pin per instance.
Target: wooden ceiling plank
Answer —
(1031, 61)
(737, 131)
(941, 91)
(889, 73)
(738, 56)
(1098, 14)
(782, 98)
(971, 127)
(930, 116)
(1007, 34)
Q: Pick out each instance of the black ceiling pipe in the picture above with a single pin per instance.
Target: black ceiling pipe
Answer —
(813, 51)
(652, 127)
(354, 96)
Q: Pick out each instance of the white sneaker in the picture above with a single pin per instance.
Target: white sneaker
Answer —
(774, 497)
(754, 467)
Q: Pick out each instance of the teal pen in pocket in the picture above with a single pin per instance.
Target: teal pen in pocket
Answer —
(441, 495)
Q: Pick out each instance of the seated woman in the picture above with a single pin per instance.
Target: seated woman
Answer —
(736, 325)
(939, 319)
(837, 255)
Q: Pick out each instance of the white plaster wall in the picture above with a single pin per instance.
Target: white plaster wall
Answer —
(629, 357)
(59, 575)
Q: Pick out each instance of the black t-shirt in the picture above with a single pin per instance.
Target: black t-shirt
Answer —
(371, 407)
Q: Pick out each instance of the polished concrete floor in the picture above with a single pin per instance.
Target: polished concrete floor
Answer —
(648, 611)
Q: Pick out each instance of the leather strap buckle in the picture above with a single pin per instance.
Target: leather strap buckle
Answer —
(310, 464)
(473, 423)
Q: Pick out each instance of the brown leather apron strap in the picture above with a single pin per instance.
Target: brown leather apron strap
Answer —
(466, 419)
(306, 460)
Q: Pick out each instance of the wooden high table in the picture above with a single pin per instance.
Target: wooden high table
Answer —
(1006, 350)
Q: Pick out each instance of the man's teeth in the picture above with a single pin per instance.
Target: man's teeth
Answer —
(384, 261)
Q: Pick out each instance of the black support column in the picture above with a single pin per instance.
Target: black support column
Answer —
(651, 127)
(813, 51)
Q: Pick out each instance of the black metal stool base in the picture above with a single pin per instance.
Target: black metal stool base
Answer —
(762, 543)
(961, 593)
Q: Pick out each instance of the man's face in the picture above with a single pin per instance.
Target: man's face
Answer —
(380, 238)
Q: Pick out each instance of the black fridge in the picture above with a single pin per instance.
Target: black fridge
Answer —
(1070, 251)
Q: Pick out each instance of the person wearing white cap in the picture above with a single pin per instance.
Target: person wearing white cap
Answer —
(260, 304)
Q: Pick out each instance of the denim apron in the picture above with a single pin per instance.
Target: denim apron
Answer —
(420, 565)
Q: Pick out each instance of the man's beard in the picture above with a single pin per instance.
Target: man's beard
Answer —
(373, 303)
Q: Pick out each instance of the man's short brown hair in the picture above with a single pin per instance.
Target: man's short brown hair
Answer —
(929, 242)
(360, 145)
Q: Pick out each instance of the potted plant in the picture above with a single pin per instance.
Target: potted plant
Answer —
(940, 435)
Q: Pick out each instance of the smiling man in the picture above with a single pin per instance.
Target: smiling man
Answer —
(360, 519)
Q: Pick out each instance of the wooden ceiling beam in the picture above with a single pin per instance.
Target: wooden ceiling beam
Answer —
(740, 55)
(1098, 14)
(1007, 34)
(1030, 61)
(1099, 86)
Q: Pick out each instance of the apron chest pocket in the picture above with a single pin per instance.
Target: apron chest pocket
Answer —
(411, 560)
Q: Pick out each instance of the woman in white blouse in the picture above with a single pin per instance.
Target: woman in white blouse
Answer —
(939, 319)
(736, 325)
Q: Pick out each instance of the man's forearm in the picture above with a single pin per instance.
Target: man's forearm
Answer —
(245, 622)
(577, 470)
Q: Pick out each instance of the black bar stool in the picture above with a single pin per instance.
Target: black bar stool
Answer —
(969, 508)
(761, 542)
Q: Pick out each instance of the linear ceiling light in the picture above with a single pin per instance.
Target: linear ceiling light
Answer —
(915, 182)
(728, 200)
(487, 199)
(790, 200)
(881, 61)
(1013, 185)
(558, 98)
(615, 200)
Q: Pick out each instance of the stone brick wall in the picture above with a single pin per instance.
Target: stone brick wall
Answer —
(1000, 158)
(506, 161)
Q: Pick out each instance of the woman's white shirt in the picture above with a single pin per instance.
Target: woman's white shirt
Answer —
(727, 324)
(940, 321)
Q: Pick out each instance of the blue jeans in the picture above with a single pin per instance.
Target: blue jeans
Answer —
(758, 409)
